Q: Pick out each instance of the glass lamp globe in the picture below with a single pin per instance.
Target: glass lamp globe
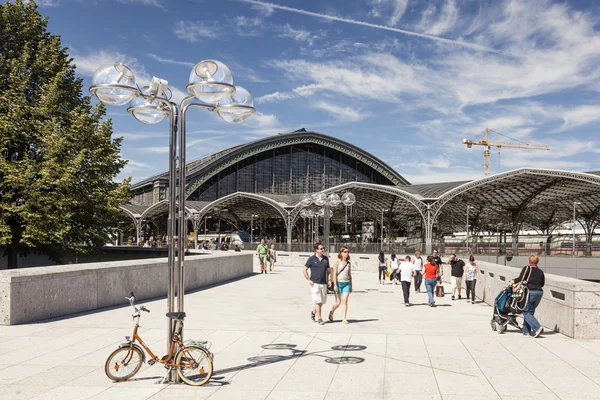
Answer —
(210, 81)
(310, 214)
(237, 107)
(303, 213)
(333, 199)
(306, 200)
(114, 84)
(330, 214)
(321, 212)
(147, 111)
(348, 199)
(320, 199)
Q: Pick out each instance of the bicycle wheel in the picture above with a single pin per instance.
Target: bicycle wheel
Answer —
(123, 363)
(194, 365)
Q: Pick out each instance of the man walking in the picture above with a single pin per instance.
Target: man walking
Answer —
(319, 273)
(457, 271)
(261, 252)
(407, 272)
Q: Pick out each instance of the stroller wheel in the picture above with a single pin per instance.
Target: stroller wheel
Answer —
(494, 325)
(501, 328)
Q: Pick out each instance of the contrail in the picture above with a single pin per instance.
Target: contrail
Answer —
(383, 27)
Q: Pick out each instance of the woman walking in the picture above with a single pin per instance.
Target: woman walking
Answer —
(395, 271)
(418, 271)
(430, 279)
(535, 282)
(342, 283)
(272, 257)
(471, 275)
(382, 267)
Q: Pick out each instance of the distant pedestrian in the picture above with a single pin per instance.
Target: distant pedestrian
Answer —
(471, 275)
(319, 273)
(272, 257)
(535, 282)
(394, 264)
(341, 275)
(261, 252)
(382, 267)
(407, 273)
(437, 259)
(418, 261)
(430, 269)
(457, 270)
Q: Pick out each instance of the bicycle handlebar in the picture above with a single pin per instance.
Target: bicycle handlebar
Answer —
(132, 303)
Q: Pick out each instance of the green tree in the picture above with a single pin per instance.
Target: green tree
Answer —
(58, 159)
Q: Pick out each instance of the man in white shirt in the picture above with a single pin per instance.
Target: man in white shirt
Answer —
(407, 271)
(418, 271)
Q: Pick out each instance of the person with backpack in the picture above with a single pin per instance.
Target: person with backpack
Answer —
(342, 283)
(534, 279)
(382, 267)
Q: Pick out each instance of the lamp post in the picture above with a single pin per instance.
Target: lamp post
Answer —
(499, 227)
(467, 242)
(252, 227)
(211, 83)
(327, 202)
(382, 211)
(575, 203)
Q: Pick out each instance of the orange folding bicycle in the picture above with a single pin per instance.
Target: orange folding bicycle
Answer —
(193, 362)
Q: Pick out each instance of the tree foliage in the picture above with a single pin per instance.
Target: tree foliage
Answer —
(58, 159)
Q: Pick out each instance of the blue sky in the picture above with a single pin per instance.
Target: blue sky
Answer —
(406, 80)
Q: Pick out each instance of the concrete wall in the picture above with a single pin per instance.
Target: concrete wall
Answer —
(33, 294)
(570, 306)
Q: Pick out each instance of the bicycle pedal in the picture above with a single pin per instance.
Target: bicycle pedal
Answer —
(151, 361)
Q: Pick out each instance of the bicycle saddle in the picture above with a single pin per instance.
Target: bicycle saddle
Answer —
(176, 315)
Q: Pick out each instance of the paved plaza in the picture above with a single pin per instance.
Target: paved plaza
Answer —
(267, 347)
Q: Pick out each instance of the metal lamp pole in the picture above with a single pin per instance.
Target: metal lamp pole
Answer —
(574, 222)
(252, 227)
(468, 207)
(211, 83)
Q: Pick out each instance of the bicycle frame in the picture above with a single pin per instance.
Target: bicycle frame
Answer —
(165, 360)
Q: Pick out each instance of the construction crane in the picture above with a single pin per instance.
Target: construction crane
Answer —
(486, 153)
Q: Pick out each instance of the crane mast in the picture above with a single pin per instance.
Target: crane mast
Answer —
(487, 146)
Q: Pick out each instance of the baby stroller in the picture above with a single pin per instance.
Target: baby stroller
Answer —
(507, 305)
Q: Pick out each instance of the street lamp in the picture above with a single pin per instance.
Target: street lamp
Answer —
(382, 211)
(348, 199)
(252, 227)
(575, 203)
(326, 202)
(499, 227)
(467, 243)
(211, 83)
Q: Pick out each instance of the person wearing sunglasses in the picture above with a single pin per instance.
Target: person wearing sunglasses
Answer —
(342, 283)
(319, 274)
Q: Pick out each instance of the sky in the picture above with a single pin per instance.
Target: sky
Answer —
(405, 80)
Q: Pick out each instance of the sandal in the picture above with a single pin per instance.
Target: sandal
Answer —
(345, 322)
(331, 316)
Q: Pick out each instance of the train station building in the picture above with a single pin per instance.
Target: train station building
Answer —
(258, 187)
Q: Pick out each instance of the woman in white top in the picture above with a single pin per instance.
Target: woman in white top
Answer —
(394, 267)
(342, 282)
(471, 274)
(418, 271)
(272, 257)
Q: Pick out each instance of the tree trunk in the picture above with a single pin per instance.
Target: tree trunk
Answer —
(12, 249)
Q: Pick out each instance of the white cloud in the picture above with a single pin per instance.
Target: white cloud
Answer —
(580, 116)
(274, 97)
(134, 166)
(434, 24)
(393, 10)
(169, 61)
(194, 31)
(246, 26)
(298, 35)
(155, 3)
(345, 114)
(46, 3)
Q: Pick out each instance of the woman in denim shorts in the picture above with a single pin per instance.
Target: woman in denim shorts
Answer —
(342, 282)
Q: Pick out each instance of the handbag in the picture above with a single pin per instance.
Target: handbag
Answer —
(330, 283)
(439, 291)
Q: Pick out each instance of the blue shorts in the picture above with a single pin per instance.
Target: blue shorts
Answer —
(343, 287)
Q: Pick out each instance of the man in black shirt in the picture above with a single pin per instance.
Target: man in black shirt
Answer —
(457, 271)
(437, 259)
(319, 275)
